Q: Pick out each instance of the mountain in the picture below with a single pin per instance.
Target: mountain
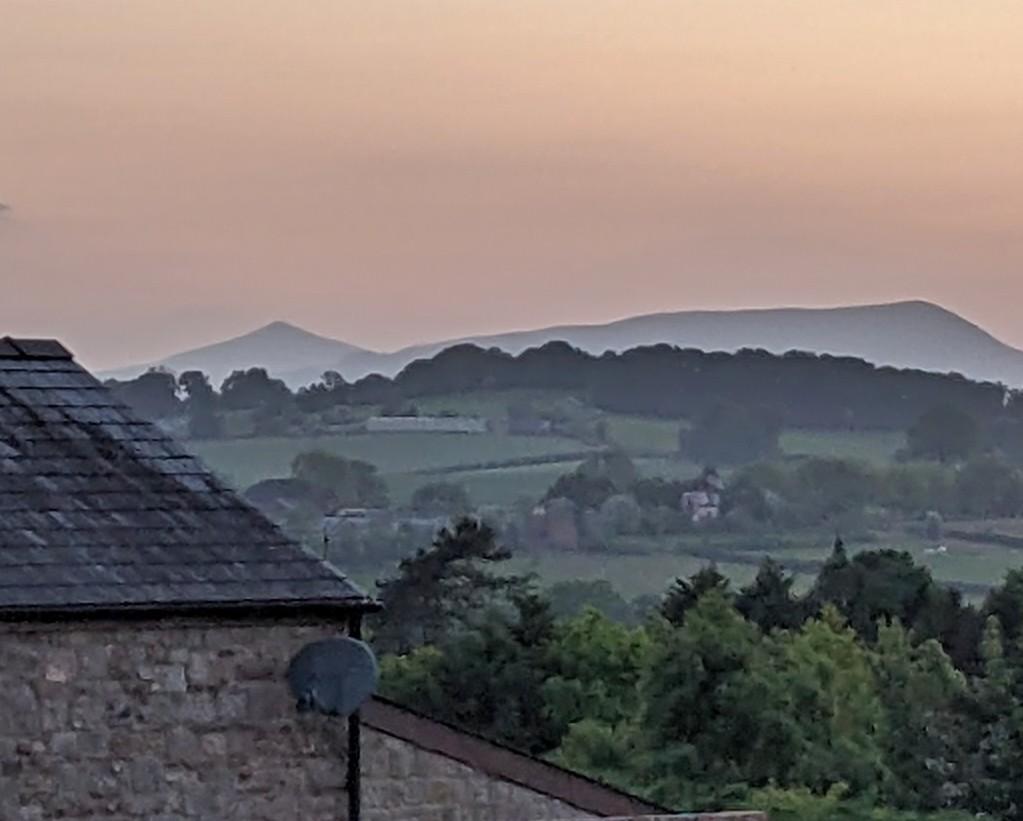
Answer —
(279, 347)
(912, 334)
(902, 334)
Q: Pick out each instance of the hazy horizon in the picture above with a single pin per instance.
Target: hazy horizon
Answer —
(495, 331)
(391, 174)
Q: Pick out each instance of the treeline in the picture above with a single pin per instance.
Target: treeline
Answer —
(794, 389)
(606, 497)
(877, 694)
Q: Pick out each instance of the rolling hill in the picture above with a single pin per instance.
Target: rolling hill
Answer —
(904, 334)
(279, 347)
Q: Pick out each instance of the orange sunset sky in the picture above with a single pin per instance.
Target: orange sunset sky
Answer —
(394, 172)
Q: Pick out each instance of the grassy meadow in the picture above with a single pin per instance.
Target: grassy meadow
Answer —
(874, 447)
(246, 461)
(640, 565)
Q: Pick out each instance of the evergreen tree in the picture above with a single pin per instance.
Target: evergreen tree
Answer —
(685, 593)
(442, 587)
(768, 601)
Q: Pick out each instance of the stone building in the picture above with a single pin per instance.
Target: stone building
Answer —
(147, 617)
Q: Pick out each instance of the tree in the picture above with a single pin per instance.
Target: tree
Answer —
(612, 464)
(525, 419)
(595, 669)
(353, 482)
(923, 744)
(943, 432)
(154, 394)
(768, 601)
(609, 754)
(730, 434)
(873, 585)
(585, 491)
(489, 679)
(254, 388)
(330, 391)
(828, 489)
(957, 626)
(1005, 603)
(997, 756)
(658, 492)
(832, 695)
(684, 594)
(917, 488)
(441, 499)
(744, 497)
(620, 515)
(987, 487)
(201, 406)
(701, 709)
(570, 598)
(441, 587)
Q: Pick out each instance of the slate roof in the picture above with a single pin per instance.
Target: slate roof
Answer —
(102, 510)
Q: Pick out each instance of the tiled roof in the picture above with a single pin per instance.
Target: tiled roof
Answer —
(100, 509)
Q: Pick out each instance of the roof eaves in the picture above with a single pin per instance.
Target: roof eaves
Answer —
(327, 608)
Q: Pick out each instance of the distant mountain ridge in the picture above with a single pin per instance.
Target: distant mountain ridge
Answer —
(279, 347)
(912, 334)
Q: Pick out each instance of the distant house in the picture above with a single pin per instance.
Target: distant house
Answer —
(426, 424)
(703, 502)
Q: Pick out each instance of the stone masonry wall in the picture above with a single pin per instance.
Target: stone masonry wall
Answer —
(402, 781)
(175, 721)
(162, 721)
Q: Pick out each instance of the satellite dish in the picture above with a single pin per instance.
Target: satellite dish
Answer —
(333, 676)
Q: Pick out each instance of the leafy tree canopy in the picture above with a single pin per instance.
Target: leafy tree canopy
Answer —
(353, 482)
(945, 433)
(441, 499)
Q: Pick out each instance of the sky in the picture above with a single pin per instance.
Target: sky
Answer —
(397, 172)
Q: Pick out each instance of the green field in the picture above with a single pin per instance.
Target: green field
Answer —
(642, 434)
(876, 447)
(246, 461)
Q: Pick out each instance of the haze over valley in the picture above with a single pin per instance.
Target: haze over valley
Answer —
(903, 335)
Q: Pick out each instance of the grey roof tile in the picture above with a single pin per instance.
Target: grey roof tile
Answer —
(99, 508)
(39, 348)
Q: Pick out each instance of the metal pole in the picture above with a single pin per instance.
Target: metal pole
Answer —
(354, 777)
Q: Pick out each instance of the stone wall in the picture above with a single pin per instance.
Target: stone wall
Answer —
(403, 781)
(161, 721)
(172, 721)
